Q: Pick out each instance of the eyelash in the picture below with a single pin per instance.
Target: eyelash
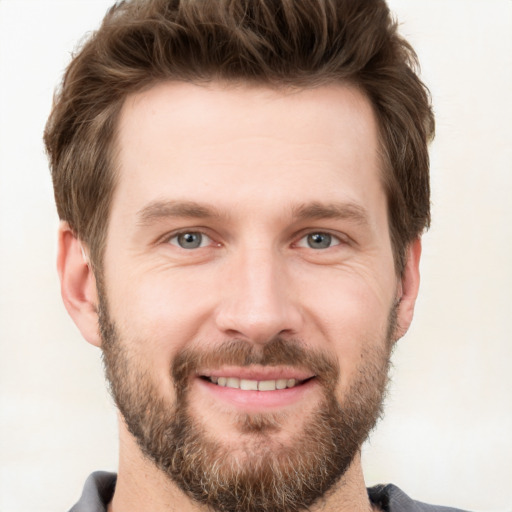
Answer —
(333, 240)
(330, 238)
(175, 236)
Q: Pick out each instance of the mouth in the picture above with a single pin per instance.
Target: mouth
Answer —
(257, 388)
(255, 385)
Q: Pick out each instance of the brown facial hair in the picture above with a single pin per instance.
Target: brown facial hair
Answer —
(261, 476)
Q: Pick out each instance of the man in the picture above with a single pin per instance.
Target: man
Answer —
(242, 188)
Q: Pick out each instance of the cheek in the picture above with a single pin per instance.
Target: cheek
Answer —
(159, 314)
(351, 317)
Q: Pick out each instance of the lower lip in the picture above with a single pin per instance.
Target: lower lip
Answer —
(257, 401)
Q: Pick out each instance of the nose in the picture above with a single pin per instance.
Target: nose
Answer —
(257, 300)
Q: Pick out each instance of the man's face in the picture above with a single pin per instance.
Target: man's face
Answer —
(248, 298)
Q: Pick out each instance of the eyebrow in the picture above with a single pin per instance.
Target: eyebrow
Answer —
(158, 210)
(341, 211)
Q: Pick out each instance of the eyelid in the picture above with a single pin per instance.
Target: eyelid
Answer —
(174, 234)
(340, 238)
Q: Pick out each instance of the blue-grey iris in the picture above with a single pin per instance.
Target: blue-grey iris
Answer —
(190, 240)
(319, 240)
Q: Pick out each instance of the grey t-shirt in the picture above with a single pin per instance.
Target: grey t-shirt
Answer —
(99, 489)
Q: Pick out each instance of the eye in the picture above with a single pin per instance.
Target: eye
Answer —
(190, 240)
(318, 240)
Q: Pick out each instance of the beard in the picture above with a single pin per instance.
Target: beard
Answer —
(258, 475)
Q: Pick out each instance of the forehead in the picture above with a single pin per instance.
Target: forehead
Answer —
(239, 144)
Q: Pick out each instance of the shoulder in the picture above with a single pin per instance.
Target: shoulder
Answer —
(391, 499)
(97, 493)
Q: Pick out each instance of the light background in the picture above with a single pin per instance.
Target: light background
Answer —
(447, 435)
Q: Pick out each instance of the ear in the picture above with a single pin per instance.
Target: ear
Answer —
(78, 284)
(408, 288)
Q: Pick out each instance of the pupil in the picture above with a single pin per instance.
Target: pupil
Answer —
(190, 240)
(319, 241)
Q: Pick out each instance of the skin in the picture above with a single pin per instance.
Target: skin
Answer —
(253, 161)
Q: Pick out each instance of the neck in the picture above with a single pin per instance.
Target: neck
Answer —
(142, 486)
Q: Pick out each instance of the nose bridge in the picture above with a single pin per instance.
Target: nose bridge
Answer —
(257, 299)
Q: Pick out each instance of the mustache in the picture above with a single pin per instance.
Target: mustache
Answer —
(276, 352)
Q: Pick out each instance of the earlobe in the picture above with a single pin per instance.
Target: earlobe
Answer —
(408, 289)
(78, 284)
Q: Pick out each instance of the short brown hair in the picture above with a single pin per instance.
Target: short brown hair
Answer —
(299, 43)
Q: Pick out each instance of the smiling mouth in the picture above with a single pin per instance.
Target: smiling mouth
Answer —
(255, 385)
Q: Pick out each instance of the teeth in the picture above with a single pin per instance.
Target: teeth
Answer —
(281, 383)
(233, 382)
(249, 385)
(267, 385)
(254, 385)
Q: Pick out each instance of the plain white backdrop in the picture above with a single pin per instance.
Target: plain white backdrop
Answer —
(447, 434)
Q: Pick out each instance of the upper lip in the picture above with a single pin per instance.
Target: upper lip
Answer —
(259, 373)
